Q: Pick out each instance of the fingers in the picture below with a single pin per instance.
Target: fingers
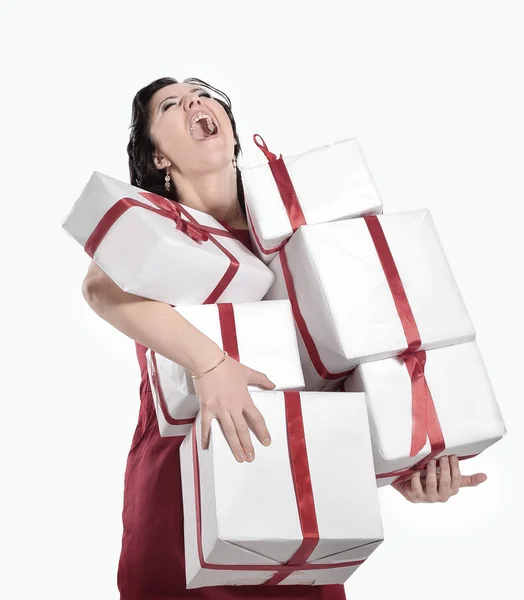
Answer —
(230, 432)
(244, 436)
(456, 477)
(472, 480)
(257, 422)
(444, 480)
(431, 482)
(416, 486)
(439, 486)
(405, 488)
(259, 379)
(206, 428)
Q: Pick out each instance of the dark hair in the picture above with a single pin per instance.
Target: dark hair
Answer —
(143, 172)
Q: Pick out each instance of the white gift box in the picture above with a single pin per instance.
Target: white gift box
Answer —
(468, 419)
(159, 253)
(330, 183)
(246, 515)
(338, 278)
(261, 335)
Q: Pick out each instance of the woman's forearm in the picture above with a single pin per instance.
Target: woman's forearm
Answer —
(154, 324)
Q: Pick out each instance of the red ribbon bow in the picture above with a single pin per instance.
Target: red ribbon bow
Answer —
(172, 211)
(162, 206)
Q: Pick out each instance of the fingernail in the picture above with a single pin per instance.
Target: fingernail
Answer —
(266, 441)
(433, 463)
(250, 456)
(240, 457)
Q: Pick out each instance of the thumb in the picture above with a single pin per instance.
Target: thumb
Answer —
(259, 379)
(473, 480)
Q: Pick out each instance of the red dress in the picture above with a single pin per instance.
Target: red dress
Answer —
(151, 565)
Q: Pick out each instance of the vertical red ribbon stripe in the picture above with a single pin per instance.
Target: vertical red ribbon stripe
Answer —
(285, 186)
(228, 329)
(298, 458)
(395, 283)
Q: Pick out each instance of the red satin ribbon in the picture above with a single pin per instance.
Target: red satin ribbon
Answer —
(174, 211)
(286, 190)
(305, 503)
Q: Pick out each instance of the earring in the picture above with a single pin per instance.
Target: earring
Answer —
(235, 164)
(167, 184)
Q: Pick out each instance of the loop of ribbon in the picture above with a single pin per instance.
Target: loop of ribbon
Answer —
(263, 146)
(286, 190)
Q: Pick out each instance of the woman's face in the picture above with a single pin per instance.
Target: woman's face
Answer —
(191, 131)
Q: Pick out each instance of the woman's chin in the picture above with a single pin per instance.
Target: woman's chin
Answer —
(212, 161)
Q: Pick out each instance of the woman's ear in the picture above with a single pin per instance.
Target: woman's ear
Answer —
(160, 161)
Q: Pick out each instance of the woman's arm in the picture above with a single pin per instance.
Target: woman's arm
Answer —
(154, 324)
(222, 392)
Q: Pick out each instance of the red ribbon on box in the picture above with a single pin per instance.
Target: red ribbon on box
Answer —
(305, 503)
(226, 315)
(173, 211)
(286, 190)
(425, 422)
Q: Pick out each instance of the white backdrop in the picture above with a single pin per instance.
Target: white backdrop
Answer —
(433, 91)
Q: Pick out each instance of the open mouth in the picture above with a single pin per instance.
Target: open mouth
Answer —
(202, 126)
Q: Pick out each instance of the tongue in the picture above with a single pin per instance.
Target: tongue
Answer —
(201, 130)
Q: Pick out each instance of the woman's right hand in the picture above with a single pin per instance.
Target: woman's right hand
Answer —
(223, 395)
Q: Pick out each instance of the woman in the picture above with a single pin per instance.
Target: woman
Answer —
(183, 145)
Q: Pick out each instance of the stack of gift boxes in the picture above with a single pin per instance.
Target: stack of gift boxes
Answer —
(352, 313)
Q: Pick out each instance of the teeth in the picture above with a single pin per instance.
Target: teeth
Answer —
(211, 125)
(198, 117)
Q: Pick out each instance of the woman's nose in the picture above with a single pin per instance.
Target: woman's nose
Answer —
(190, 101)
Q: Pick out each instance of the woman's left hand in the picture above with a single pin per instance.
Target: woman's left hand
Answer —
(438, 487)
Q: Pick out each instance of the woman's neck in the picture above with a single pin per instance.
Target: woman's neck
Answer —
(214, 193)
